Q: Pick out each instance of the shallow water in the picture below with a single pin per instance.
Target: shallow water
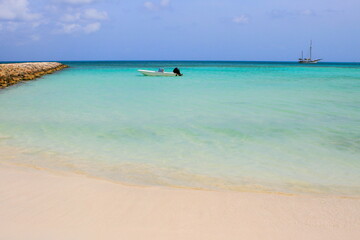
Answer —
(223, 125)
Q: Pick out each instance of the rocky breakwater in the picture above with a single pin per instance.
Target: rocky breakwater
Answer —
(13, 73)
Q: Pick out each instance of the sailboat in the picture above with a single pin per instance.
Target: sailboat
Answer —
(308, 60)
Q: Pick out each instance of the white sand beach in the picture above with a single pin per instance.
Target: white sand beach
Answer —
(38, 204)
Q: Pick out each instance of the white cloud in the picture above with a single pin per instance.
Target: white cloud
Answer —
(62, 16)
(16, 10)
(37, 23)
(307, 12)
(242, 19)
(279, 13)
(69, 28)
(87, 14)
(92, 27)
(85, 21)
(77, 1)
(51, 8)
(151, 6)
(70, 17)
(11, 26)
(17, 17)
(165, 3)
(92, 13)
(35, 37)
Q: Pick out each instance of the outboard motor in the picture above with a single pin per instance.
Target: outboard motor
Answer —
(177, 72)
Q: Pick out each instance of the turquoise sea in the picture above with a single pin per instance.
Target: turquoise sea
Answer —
(242, 126)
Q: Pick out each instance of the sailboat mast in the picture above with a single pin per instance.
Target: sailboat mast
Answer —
(308, 60)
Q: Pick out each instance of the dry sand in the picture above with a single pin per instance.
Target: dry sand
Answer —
(44, 205)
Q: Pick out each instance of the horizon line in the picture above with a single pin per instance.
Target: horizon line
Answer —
(2, 61)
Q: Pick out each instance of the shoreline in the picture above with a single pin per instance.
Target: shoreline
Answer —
(13, 73)
(62, 164)
(239, 189)
(37, 204)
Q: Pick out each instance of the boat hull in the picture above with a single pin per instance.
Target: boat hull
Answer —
(157, 74)
(309, 61)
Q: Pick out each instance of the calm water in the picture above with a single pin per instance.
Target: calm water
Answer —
(223, 125)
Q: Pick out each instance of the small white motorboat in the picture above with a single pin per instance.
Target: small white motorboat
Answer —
(157, 73)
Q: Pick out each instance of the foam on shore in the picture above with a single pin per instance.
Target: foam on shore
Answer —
(14, 73)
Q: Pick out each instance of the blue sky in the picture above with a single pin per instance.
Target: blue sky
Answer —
(244, 30)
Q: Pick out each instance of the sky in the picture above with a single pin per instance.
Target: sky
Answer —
(234, 30)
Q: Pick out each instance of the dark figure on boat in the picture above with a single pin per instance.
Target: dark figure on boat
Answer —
(177, 72)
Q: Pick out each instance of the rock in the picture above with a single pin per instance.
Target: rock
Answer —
(16, 72)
